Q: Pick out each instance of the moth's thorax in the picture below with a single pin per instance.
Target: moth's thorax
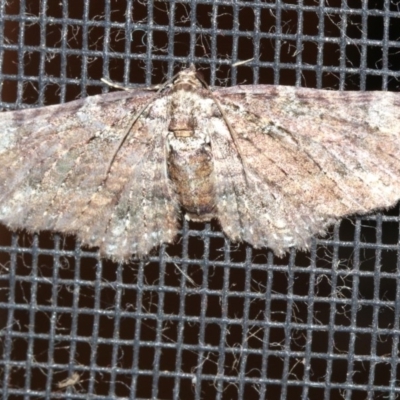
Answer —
(184, 111)
(190, 161)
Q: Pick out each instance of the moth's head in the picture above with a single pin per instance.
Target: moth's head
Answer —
(188, 79)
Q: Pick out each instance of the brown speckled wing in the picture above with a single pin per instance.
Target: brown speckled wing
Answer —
(54, 173)
(309, 157)
(275, 165)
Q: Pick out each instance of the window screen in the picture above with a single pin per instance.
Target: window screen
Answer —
(202, 318)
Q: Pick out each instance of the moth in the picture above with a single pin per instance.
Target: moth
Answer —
(275, 165)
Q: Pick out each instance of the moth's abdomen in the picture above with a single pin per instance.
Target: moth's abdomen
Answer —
(190, 168)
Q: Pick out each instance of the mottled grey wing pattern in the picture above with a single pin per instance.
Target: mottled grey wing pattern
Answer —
(276, 165)
(307, 161)
(56, 177)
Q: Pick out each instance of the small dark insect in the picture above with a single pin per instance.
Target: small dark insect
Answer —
(274, 164)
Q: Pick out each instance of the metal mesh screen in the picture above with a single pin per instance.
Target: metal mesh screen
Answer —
(202, 318)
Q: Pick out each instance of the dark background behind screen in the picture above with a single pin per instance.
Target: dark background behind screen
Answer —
(322, 325)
